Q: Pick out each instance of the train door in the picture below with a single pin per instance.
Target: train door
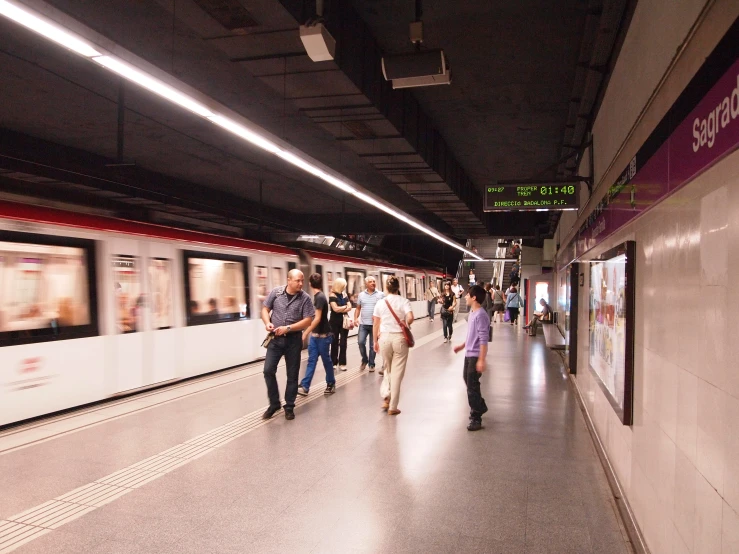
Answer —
(162, 355)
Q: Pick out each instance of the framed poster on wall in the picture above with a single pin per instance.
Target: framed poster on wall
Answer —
(611, 326)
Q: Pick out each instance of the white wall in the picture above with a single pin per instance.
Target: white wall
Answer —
(679, 462)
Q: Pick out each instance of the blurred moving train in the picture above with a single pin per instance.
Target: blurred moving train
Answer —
(93, 307)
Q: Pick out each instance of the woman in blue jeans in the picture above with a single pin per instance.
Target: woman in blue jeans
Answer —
(448, 303)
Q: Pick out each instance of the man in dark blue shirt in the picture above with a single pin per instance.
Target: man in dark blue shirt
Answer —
(320, 340)
(285, 312)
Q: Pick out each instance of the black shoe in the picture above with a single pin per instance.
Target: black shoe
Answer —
(364, 365)
(330, 389)
(270, 412)
(475, 425)
(289, 414)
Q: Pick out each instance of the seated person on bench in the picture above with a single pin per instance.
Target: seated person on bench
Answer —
(544, 315)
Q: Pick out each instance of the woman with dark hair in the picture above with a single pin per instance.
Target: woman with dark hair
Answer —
(448, 302)
(340, 306)
(513, 303)
(389, 314)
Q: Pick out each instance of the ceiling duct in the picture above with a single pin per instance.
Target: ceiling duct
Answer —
(229, 13)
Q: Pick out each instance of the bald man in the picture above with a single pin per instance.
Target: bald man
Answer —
(285, 313)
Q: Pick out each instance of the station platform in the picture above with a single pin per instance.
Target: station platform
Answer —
(194, 469)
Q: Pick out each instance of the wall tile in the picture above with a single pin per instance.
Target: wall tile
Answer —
(678, 545)
(668, 399)
(708, 517)
(731, 451)
(687, 414)
(665, 483)
(714, 224)
(715, 335)
(710, 438)
(729, 531)
(683, 512)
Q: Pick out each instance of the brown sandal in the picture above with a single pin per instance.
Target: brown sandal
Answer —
(393, 412)
(386, 405)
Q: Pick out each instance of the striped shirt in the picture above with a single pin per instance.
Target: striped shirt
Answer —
(367, 302)
(286, 310)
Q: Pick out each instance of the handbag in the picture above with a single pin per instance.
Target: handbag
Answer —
(385, 386)
(507, 316)
(407, 335)
(347, 322)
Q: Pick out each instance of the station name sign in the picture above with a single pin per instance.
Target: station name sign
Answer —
(508, 198)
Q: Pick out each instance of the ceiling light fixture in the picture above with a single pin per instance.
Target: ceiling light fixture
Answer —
(257, 137)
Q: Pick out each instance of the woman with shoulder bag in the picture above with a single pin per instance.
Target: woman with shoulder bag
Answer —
(391, 313)
(340, 307)
(448, 303)
(498, 304)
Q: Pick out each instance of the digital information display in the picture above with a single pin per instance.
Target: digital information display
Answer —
(509, 198)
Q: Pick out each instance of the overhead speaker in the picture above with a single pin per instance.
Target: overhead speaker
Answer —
(318, 42)
(418, 69)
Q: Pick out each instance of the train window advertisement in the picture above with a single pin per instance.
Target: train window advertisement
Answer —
(419, 289)
(129, 299)
(160, 285)
(354, 283)
(410, 287)
(47, 289)
(277, 278)
(261, 282)
(215, 288)
(329, 280)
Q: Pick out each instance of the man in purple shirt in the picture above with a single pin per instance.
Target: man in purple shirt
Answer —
(476, 349)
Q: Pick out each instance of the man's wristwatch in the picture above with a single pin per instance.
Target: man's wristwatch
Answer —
(288, 328)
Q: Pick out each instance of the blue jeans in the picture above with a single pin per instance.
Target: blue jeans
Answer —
(289, 346)
(318, 346)
(432, 308)
(364, 332)
(447, 323)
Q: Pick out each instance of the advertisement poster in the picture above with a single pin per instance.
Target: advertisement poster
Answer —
(611, 351)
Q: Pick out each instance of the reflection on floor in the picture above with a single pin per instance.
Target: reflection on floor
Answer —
(343, 476)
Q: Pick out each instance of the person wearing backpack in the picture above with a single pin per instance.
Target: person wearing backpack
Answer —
(513, 304)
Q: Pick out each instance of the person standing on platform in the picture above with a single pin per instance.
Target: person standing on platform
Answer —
(448, 305)
(363, 319)
(393, 346)
(458, 290)
(285, 312)
(476, 350)
(320, 340)
(432, 297)
(340, 306)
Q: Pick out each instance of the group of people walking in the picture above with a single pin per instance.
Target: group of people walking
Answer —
(290, 317)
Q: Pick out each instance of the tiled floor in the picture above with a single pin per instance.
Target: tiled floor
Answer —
(343, 476)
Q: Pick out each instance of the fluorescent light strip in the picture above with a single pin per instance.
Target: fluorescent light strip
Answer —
(46, 28)
(69, 40)
(154, 85)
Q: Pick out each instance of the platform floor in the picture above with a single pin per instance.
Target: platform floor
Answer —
(199, 472)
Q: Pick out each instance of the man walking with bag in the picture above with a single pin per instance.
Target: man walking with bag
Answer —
(476, 350)
(285, 312)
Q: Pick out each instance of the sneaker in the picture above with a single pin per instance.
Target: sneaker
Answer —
(475, 425)
(330, 389)
(302, 391)
(289, 414)
(342, 368)
(270, 412)
(372, 369)
(364, 365)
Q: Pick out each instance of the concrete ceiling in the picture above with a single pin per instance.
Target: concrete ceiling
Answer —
(430, 152)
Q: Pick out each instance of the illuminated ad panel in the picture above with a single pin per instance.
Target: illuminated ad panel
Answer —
(511, 198)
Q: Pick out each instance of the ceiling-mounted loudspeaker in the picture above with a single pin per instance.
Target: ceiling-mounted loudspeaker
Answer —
(318, 42)
(419, 69)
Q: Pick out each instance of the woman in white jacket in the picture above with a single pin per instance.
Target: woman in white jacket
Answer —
(390, 341)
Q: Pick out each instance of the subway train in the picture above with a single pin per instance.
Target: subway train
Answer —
(93, 307)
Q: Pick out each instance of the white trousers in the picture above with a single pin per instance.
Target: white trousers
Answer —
(394, 351)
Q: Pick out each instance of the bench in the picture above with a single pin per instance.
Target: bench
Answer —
(553, 337)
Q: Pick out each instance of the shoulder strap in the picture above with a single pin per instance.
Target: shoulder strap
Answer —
(389, 307)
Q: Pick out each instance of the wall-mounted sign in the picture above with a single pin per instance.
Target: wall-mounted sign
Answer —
(552, 196)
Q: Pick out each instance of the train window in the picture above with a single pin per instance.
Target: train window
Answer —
(410, 287)
(47, 288)
(329, 280)
(160, 287)
(291, 266)
(277, 277)
(384, 277)
(129, 300)
(354, 283)
(261, 282)
(216, 288)
(319, 269)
